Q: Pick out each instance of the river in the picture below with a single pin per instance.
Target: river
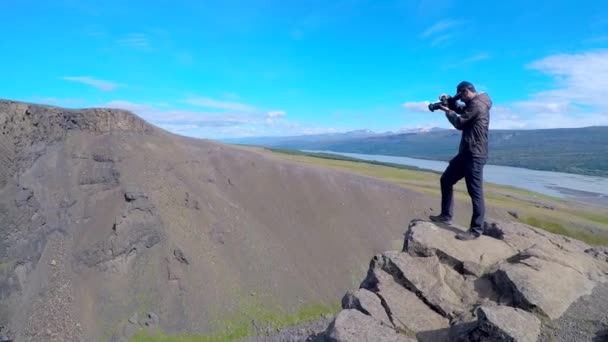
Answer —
(579, 188)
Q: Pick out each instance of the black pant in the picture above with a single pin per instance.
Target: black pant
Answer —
(471, 168)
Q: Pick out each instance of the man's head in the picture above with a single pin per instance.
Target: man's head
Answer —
(465, 91)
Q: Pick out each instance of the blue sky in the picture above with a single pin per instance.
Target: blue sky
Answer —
(228, 68)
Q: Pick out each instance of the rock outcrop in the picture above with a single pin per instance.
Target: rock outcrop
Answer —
(438, 288)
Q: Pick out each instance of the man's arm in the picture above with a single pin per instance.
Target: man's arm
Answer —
(454, 106)
(469, 114)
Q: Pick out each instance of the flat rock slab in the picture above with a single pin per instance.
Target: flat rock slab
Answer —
(368, 303)
(538, 284)
(522, 236)
(504, 323)
(354, 326)
(426, 238)
(581, 262)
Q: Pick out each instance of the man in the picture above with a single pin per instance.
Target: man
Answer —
(473, 120)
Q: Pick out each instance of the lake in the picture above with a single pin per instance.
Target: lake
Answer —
(579, 188)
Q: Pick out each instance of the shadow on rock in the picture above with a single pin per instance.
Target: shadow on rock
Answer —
(601, 336)
(433, 335)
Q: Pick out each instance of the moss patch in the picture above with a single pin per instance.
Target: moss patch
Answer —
(557, 228)
(242, 325)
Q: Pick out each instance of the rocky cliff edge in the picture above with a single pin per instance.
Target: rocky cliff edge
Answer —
(523, 284)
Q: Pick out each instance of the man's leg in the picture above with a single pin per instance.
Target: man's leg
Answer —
(452, 174)
(474, 181)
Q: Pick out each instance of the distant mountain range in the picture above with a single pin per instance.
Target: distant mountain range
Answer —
(325, 137)
(572, 150)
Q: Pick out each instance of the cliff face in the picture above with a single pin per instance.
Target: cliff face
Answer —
(107, 220)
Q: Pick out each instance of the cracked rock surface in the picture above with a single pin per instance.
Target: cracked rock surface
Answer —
(527, 286)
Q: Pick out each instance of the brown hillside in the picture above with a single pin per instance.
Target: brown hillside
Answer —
(104, 216)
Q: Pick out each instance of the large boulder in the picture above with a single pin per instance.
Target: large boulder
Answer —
(404, 307)
(502, 323)
(426, 239)
(438, 288)
(354, 326)
(539, 285)
(368, 303)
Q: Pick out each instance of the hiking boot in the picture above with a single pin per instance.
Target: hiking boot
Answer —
(440, 218)
(468, 235)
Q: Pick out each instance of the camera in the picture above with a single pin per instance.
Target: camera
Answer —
(434, 106)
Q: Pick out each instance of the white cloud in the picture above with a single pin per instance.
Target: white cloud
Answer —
(207, 102)
(272, 116)
(478, 57)
(547, 121)
(217, 125)
(441, 32)
(99, 84)
(440, 27)
(441, 39)
(182, 117)
(134, 40)
(420, 106)
(579, 78)
(276, 113)
(542, 107)
(578, 97)
(59, 102)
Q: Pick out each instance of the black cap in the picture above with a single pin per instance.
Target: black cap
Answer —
(465, 85)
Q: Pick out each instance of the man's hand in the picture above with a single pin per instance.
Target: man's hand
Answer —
(444, 108)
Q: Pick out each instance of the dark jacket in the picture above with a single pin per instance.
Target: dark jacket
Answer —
(474, 122)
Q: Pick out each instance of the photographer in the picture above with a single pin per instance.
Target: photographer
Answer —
(473, 120)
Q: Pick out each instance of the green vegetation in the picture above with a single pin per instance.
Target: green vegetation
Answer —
(557, 228)
(332, 156)
(241, 325)
(503, 198)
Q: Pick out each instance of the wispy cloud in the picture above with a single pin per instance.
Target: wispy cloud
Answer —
(206, 102)
(276, 113)
(441, 39)
(58, 102)
(99, 84)
(441, 32)
(579, 79)
(272, 116)
(478, 57)
(440, 27)
(135, 41)
(578, 97)
(216, 125)
(176, 117)
(420, 106)
(505, 117)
